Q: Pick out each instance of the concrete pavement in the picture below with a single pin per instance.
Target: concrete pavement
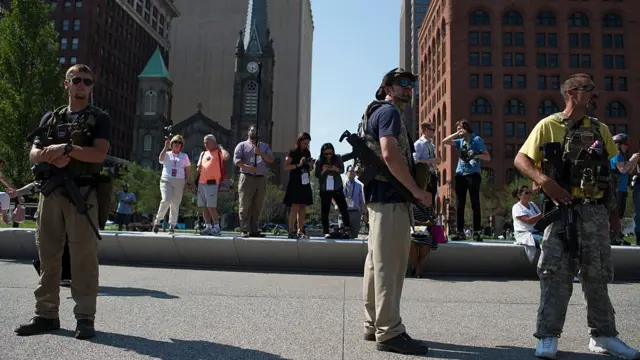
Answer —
(176, 314)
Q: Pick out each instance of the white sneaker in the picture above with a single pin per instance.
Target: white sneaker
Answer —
(547, 348)
(206, 231)
(614, 347)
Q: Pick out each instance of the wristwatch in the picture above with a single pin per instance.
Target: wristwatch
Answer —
(68, 148)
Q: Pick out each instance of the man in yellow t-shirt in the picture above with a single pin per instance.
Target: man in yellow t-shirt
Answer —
(556, 267)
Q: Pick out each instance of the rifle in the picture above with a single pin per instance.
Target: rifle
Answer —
(60, 177)
(375, 166)
(552, 157)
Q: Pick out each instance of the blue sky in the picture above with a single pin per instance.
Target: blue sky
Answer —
(355, 43)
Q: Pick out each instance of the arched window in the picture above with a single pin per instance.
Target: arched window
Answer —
(578, 19)
(150, 103)
(514, 107)
(481, 106)
(251, 98)
(548, 107)
(147, 142)
(479, 17)
(616, 109)
(612, 21)
(546, 18)
(512, 17)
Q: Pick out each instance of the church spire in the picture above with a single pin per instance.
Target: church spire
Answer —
(256, 32)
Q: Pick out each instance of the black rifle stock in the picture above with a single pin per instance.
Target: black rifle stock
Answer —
(552, 154)
(61, 178)
(375, 166)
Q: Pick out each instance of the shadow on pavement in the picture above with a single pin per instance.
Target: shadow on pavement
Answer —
(130, 291)
(176, 349)
(462, 352)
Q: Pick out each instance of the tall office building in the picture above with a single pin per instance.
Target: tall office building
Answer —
(412, 15)
(508, 66)
(204, 67)
(4, 6)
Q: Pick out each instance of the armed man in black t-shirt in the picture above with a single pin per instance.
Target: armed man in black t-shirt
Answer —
(385, 132)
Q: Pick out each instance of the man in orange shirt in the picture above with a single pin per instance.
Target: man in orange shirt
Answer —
(210, 173)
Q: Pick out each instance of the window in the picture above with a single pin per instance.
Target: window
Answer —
(541, 40)
(150, 103)
(552, 60)
(521, 80)
(514, 107)
(548, 107)
(474, 59)
(485, 59)
(620, 63)
(616, 109)
(547, 60)
(487, 81)
(67, 6)
(608, 83)
(74, 43)
(65, 25)
(580, 61)
(507, 59)
(542, 82)
(621, 128)
(78, 5)
(607, 61)
(507, 39)
(622, 83)
(481, 106)
(63, 43)
(611, 21)
(607, 41)
(76, 24)
(475, 127)
(512, 18)
(62, 60)
(521, 129)
(487, 128)
(618, 41)
(519, 38)
(578, 19)
(519, 59)
(515, 59)
(507, 81)
(509, 150)
(479, 17)
(555, 82)
(585, 40)
(73, 60)
(474, 38)
(552, 40)
(585, 61)
(147, 142)
(486, 38)
(251, 98)
(509, 130)
(546, 18)
(474, 80)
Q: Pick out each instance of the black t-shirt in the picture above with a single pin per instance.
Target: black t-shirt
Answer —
(101, 130)
(385, 121)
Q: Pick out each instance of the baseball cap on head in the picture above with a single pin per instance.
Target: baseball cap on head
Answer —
(389, 77)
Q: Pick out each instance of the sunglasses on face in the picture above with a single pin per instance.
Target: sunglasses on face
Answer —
(526, 193)
(177, 142)
(77, 80)
(405, 83)
(585, 88)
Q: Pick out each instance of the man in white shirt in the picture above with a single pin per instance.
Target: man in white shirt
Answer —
(426, 160)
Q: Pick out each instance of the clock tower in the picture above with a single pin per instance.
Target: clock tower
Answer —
(253, 83)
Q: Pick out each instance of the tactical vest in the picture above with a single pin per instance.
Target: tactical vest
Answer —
(589, 172)
(80, 133)
(404, 142)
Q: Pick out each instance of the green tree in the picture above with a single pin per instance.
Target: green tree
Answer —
(144, 182)
(273, 207)
(30, 81)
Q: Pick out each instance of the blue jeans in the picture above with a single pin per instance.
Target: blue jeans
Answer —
(636, 208)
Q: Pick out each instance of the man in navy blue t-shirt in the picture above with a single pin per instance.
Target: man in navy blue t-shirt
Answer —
(389, 245)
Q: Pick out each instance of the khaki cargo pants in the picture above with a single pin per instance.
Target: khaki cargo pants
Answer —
(251, 192)
(385, 268)
(57, 220)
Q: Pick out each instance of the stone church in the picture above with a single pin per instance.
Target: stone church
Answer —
(252, 101)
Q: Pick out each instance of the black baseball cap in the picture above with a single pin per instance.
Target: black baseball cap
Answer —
(389, 77)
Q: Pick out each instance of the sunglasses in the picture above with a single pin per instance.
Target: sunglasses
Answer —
(526, 193)
(405, 83)
(77, 80)
(177, 142)
(585, 88)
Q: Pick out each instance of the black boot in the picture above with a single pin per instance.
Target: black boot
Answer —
(37, 325)
(85, 329)
(403, 344)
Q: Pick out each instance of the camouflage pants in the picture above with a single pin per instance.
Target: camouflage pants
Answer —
(556, 270)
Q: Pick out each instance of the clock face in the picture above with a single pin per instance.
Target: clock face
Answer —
(252, 67)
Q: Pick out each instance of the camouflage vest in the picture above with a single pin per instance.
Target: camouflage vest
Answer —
(80, 133)
(404, 142)
(589, 172)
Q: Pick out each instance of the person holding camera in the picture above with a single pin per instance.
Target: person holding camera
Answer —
(176, 169)
(472, 150)
(328, 169)
(298, 194)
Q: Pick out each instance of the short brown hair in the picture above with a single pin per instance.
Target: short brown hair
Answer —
(571, 82)
(79, 68)
(465, 125)
(426, 125)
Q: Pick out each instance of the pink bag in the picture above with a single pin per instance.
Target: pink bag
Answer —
(18, 214)
(438, 234)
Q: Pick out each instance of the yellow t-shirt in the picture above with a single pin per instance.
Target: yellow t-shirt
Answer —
(552, 129)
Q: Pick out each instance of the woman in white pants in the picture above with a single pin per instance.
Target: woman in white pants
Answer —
(176, 169)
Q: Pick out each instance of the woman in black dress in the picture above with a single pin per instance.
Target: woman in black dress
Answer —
(329, 168)
(298, 194)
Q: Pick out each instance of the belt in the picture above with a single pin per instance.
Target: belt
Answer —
(252, 175)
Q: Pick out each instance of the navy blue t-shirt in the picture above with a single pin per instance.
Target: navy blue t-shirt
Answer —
(385, 121)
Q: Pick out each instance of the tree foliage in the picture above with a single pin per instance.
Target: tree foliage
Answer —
(30, 80)
(144, 182)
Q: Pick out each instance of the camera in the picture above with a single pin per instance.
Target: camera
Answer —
(167, 131)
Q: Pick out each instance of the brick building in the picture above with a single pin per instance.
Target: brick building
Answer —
(500, 66)
(116, 38)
